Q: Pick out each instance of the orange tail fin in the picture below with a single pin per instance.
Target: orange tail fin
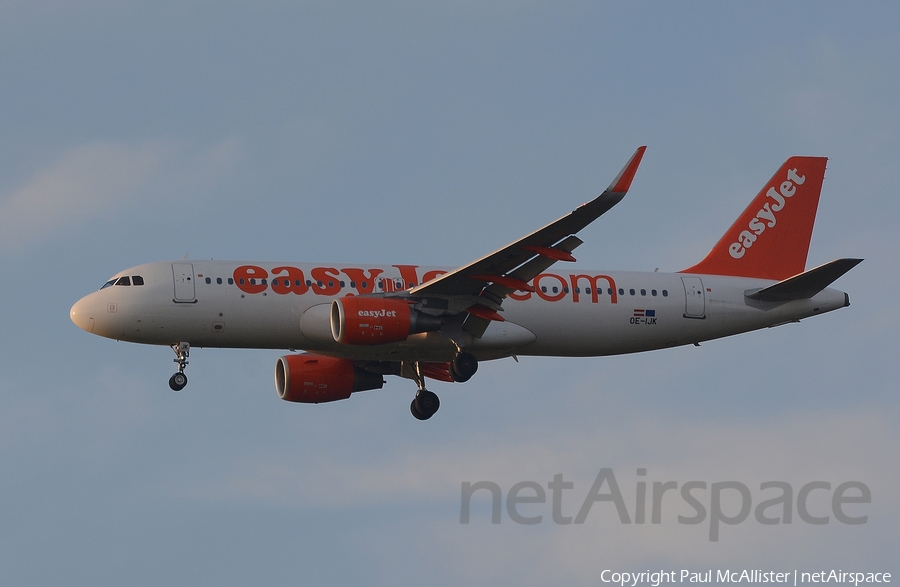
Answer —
(770, 240)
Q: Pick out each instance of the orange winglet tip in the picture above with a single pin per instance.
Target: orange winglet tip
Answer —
(486, 313)
(551, 253)
(506, 281)
(621, 183)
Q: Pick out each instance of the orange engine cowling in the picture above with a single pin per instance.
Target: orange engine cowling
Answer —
(313, 379)
(371, 321)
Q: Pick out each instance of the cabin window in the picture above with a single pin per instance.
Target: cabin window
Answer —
(643, 292)
(631, 291)
(218, 280)
(665, 293)
(208, 280)
(653, 292)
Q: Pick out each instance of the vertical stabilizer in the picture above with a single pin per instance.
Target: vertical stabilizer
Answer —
(770, 240)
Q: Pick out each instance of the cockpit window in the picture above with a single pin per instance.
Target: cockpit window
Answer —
(125, 280)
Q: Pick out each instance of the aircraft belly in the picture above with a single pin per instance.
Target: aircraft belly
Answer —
(588, 329)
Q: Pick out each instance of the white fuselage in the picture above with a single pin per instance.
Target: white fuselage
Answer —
(572, 312)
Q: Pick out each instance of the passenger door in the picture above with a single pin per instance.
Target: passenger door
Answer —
(694, 298)
(183, 274)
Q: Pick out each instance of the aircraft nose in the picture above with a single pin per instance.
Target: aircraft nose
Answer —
(82, 315)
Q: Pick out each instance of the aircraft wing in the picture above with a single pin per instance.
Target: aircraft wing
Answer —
(489, 280)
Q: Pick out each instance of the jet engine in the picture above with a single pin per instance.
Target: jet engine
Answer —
(313, 379)
(372, 321)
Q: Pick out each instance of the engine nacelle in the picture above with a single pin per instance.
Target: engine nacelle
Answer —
(313, 379)
(372, 321)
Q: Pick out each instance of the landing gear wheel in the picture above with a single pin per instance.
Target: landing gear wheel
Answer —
(463, 367)
(416, 413)
(178, 381)
(425, 405)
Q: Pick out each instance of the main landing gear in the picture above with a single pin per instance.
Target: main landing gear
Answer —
(426, 403)
(463, 367)
(179, 379)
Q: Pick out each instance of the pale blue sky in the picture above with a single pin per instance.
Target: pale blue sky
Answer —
(431, 133)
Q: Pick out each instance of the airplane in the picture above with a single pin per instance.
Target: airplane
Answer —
(357, 324)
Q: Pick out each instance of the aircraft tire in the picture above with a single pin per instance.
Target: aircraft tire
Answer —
(425, 405)
(178, 381)
(463, 367)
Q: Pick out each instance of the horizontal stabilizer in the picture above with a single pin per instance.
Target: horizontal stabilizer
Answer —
(806, 284)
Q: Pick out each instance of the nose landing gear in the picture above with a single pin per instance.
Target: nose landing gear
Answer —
(179, 379)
